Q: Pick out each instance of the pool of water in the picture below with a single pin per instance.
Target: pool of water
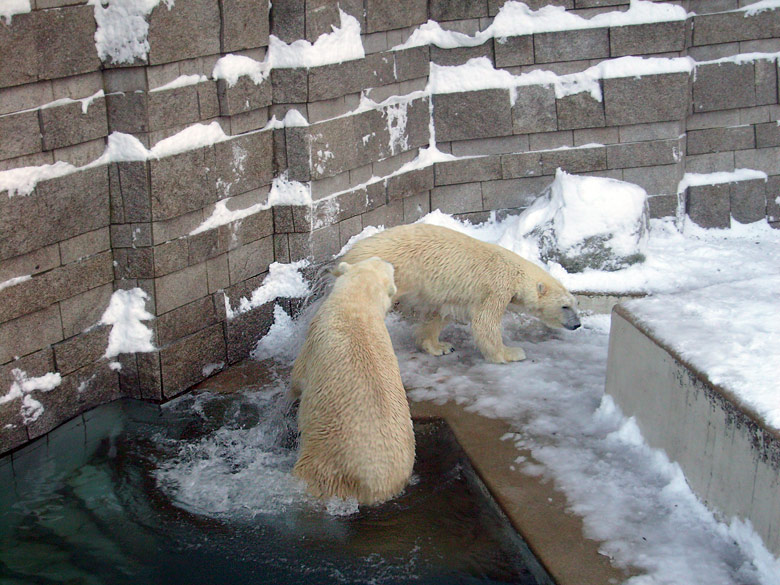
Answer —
(200, 491)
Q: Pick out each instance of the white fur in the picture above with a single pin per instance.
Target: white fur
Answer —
(356, 430)
(448, 275)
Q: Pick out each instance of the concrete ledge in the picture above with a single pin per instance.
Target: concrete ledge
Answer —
(730, 458)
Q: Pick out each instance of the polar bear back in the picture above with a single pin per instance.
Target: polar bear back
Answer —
(356, 432)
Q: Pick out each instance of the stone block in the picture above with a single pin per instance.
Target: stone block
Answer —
(244, 330)
(250, 259)
(460, 55)
(382, 16)
(79, 391)
(649, 38)
(348, 228)
(457, 10)
(281, 249)
(65, 42)
(134, 188)
(235, 234)
(512, 193)
(84, 245)
(283, 219)
(459, 116)
(525, 164)
(766, 81)
(318, 246)
(58, 208)
(288, 20)
(244, 96)
(330, 81)
(183, 31)
(417, 131)
(574, 160)
(66, 124)
(182, 182)
(131, 263)
(721, 139)
(218, 273)
(571, 45)
(81, 350)
(208, 244)
(410, 183)
(244, 163)
(244, 24)
(185, 363)
(21, 134)
(179, 288)
(723, 86)
(644, 154)
(208, 100)
(658, 180)
(332, 145)
(19, 62)
(83, 310)
(30, 333)
(173, 107)
(748, 200)
(653, 98)
(412, 63)
(727, 27)
(760, 159)
(460, 198)
(767, 135)
(416, 206)
(289, 86)
(662, 206)
(514, 51)
(128, 112)
(171, 256)
(709, 205)
(534, 110)
(580, 110)
(298, 151)
(35, 262)
(186, 320)
(468, 170)
(131, 235)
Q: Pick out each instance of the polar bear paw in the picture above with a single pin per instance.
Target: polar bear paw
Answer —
(436, 347)
(514, 354)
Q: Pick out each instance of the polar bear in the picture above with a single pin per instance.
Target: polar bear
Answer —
(356, 429)
(445, 275)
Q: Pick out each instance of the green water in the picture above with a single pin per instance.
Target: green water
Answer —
(200, 492)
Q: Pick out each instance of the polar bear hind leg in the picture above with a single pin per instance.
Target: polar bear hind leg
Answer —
(427, 336)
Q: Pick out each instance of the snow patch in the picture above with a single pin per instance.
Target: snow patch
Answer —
(282, 281)
(14, 281)
(23, 386)
(698, 179)
(125, 313)
(231, 67)
(181, 81)
(122, 29)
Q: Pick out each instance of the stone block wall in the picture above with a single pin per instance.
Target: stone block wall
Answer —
(376, 140)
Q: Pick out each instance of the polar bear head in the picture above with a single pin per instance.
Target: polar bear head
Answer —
(547, 299)
(371, 272)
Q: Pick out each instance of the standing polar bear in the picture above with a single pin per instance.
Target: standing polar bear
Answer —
(356, 429)
(446, 275)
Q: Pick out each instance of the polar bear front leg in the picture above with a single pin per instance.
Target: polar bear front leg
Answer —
(486, 328)
(427, 336)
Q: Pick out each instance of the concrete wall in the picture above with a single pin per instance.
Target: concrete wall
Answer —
(101, 227)
(730, 458)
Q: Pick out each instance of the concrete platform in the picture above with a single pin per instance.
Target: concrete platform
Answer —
(730, 457)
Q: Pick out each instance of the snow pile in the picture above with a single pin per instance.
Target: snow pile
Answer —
(282, 281)
(343, 44)
(515, 18)
(584, 223)
(8, 8)
(23, 387)
(125, 313)
(759, 7)
(698, 179)
(231, 67)
(727, 331)
(22, 180)
(181, 81)
(122, 29)
(14, 281)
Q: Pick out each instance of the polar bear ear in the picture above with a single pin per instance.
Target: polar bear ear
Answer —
(343, 267)
(541, 288)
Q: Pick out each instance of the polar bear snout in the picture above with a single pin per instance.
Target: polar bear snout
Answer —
(570, 319)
